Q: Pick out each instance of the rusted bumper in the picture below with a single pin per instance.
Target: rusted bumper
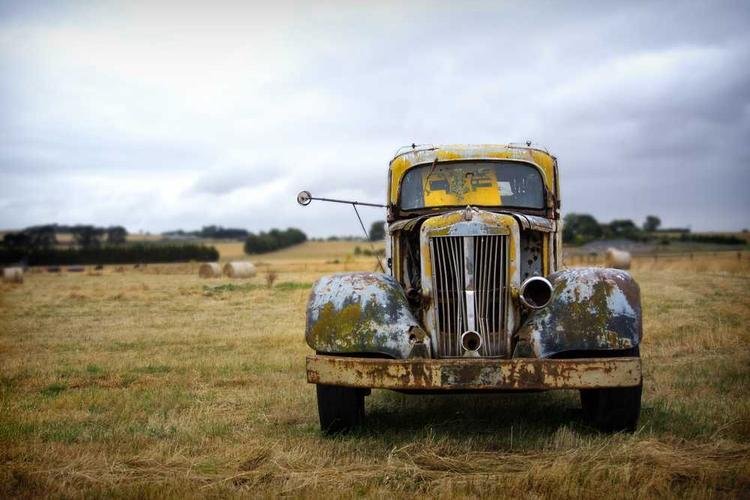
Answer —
(474, 374)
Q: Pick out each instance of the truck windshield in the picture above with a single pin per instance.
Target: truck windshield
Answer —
(482, 183)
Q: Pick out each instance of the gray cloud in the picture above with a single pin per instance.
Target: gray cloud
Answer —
(160, 117)
(228, 179)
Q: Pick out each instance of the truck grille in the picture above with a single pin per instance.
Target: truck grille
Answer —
(469, 291)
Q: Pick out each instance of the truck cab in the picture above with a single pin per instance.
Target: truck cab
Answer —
(474, 296)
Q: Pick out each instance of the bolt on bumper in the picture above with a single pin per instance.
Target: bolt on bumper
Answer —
(474, 373)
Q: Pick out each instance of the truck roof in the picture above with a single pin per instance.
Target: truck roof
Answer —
(409, 157)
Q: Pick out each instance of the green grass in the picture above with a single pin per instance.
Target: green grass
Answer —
(291, 285)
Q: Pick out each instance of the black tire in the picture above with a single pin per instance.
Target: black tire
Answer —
(340, 409)
(612, 409)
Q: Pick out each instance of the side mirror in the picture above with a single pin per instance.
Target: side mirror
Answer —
(304, 198)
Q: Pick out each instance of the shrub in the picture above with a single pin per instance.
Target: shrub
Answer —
(275, 239)
(109, 254)
(717, 239)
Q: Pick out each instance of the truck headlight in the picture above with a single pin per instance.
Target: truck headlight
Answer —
(536, 292)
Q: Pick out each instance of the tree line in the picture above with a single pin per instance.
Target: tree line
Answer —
(579, 229)
(275, 239)
(109, 254)
(39, 246)
(212, 232)
(44, 237)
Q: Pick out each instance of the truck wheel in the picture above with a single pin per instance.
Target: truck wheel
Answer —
(612, 409)
(340, 409)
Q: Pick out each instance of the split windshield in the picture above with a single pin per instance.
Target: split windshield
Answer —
(481, 183)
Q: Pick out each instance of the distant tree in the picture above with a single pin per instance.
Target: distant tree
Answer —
(117, 235)
(120, 254)
(580, 228)
(718, 239)
(208, 231)
(87, 236)
(19, 240)
(275, 239)
(377, 231)
(42, 237)
(219, 232)
(651, 223)
(32, 238)
(623, 228)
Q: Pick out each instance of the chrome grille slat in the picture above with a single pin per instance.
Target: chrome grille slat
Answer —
(458, 296)
(498, 255)
(479, 249)
(486, 283)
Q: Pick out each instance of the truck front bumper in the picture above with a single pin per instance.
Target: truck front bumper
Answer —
(474, 373)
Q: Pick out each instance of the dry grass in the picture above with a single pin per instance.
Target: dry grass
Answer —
(152, 383)
(725, 261)
(310, 250)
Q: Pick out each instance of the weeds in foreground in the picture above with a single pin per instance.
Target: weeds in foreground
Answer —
(271, 276)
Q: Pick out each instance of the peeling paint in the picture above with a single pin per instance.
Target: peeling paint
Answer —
(532, 255)
(360, 313)
(591, 309)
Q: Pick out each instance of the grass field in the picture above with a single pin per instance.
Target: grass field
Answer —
(308, 251)
(152, 383)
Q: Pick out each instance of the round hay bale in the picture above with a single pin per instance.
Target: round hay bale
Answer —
(209, 270)
(13, 275)
(618, 259)
(239, 269)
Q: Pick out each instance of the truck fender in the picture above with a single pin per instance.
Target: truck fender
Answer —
(591, 309)
(363, 313)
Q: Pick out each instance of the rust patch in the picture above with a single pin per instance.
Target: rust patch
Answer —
(475, 373)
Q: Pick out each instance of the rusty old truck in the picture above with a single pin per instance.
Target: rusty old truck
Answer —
(474, 295)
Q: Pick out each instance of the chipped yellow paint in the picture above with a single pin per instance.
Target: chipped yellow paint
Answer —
(463, 193)
(406, 161)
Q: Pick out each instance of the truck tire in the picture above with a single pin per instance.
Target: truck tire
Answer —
(340, 409)
(612, 409)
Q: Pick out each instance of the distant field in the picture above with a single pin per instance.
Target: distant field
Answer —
(723, 261)
(321, 250)
(308, 251)
(152, 383)
(67, 238)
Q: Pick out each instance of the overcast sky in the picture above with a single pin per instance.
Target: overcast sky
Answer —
(165, 115)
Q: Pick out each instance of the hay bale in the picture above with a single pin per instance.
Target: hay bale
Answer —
(618, 259)
(209, 270)
(239, 269)
(13, 275)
